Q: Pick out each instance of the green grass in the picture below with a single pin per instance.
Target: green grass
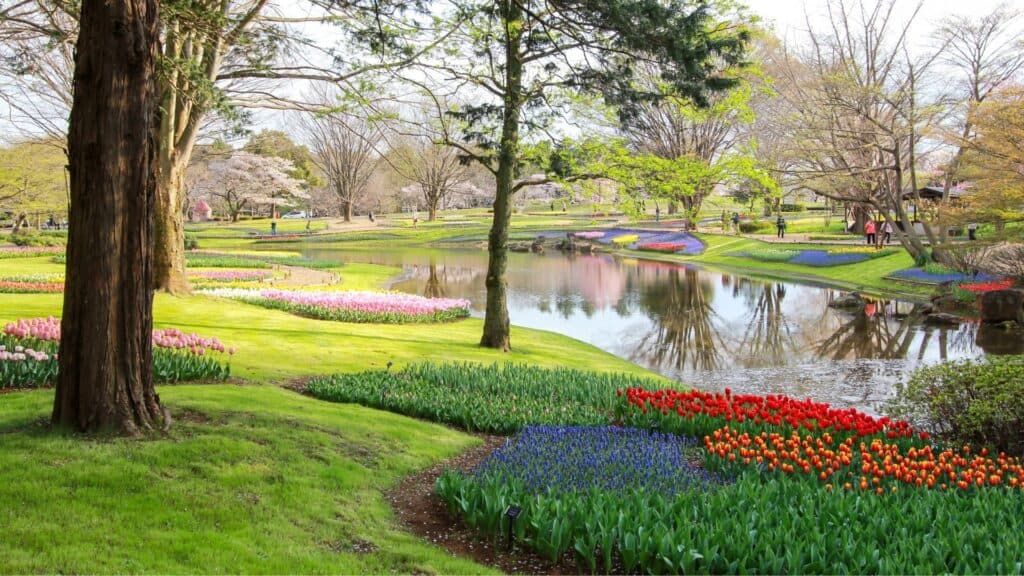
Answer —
(868, 276)
(276, 346)
(251, 479)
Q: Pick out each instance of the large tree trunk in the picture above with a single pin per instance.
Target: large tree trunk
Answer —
(346, 210)
(106, 351)
(169, 241)
(497, 331)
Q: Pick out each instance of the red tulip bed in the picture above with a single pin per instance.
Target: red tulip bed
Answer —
(28, 355)
(804, 487)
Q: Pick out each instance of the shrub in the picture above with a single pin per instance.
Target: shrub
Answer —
(496, 399)
(191, 241)
(973, 402)
(37, 239)
(756, 226)
(795, 207)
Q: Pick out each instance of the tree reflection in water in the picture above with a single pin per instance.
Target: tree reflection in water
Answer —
(682, 333)
(767, 338)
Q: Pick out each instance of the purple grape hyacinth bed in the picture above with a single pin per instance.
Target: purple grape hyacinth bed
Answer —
(607, 458)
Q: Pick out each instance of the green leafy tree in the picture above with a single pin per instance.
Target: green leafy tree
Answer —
(521, 57)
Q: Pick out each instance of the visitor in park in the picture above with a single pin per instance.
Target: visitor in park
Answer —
(780, 227)
(657, 213)
(371, 216)
(736, 222)
(552, 205)
(886, 235)
(415, 221)
(273, 228)
(972, 231)
(869, 232)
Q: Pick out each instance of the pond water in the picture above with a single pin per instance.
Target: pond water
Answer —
(710, 330)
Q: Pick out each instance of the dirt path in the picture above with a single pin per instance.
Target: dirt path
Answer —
(298, 276)
(425, 515)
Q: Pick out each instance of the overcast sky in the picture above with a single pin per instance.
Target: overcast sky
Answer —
(788, 18)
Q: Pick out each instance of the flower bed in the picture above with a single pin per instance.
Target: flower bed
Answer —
(820, 258)
(177, 356)
(625, 239)
(982, 287)
(579, 499)
(591, 235)
(938, 277)
(8, 252)
(376, 307)
(496, 399)
(34, 284)
(686, 245)
(251, 259)
(214, 276)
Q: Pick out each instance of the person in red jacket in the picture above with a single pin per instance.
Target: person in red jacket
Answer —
(869, 231)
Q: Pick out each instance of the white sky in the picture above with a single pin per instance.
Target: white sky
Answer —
(788, 17)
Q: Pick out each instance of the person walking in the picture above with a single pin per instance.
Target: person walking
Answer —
(780, 227)
(972, 231)
(869, 232)
(736, 222)
(273, 228)
(886, 233)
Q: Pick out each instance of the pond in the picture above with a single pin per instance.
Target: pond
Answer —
(710, 330)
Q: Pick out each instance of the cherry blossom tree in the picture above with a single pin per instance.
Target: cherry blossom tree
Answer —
(246, 180)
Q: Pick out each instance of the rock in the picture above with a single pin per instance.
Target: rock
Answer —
(943, 319)
(851, 301)
(538, 245)
(1002, 306)
(945, 303)
(518, 247)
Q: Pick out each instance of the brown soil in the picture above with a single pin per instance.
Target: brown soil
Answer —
(425, 515)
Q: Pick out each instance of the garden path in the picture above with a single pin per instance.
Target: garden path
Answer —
(299, 276)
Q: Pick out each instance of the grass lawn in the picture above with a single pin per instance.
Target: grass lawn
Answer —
(251, 479)
(868, 276)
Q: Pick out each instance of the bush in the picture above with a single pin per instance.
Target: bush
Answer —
(36, 239)
(496, 399)
(756, 226)
(191, 242)
(795, 207)
(772, 255)
(968, 402)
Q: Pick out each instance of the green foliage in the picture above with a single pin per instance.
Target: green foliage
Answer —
(974, 402)
(44, 238)
(191, 241)
(756, 227)
(755, 525)
(496, 399)
(223, 261)
(795, 207)
(939, 269)
(32, 177)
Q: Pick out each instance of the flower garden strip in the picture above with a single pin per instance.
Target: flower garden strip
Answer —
(938, 276)
(216, 259)
(352, 306)
(29, 355)
(817, 258)
(34, 284)
(8, 252)
(653, 241)
(789, 486)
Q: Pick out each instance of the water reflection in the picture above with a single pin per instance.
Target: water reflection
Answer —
(707, 329)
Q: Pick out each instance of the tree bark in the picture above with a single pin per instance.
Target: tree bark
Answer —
(169, 238)
(497, 331)
(346, 210)
(105, 378)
